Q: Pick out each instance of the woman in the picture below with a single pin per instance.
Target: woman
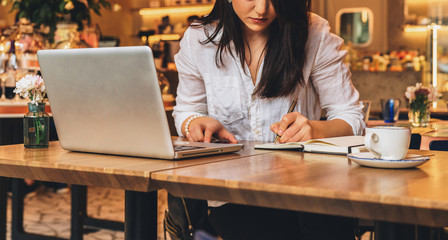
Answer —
(240, 67)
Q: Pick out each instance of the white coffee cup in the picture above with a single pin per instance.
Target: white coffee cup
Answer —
(388, 142)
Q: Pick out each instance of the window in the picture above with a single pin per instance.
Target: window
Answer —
(355, 25)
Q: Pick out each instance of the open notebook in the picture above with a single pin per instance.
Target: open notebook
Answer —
(334, 145)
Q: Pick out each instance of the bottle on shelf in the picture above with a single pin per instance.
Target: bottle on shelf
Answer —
(11, 71)
(3, 61)
(28, 42)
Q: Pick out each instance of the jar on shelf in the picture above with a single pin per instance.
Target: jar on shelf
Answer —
(67, 36)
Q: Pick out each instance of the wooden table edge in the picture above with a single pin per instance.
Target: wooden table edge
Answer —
(357, 208)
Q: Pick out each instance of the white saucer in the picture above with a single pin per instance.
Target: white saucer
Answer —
(367, 159)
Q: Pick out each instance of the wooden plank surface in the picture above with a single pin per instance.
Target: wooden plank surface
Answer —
(321, 183)
(129, 173)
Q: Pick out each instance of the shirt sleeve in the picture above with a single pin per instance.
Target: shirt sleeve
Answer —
(332, 80)
(191, 95)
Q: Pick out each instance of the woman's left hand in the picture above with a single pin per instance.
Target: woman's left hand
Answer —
(294, 127)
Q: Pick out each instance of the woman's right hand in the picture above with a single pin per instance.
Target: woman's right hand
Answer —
(202, 129)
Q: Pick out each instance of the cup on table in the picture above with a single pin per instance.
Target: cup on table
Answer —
(391, 109)
(366, 104)
(388, 142)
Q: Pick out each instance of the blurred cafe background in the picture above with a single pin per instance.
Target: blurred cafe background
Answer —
(390, 44)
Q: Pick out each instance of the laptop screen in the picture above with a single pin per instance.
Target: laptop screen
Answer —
(107, 100)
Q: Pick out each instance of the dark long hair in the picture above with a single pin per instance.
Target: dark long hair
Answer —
(285, 48)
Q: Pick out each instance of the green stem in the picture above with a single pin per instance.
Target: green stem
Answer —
(36, 126)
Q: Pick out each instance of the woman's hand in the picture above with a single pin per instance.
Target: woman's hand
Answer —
(202, 129)
(294, 127)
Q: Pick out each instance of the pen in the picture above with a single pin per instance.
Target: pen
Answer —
(291, 108)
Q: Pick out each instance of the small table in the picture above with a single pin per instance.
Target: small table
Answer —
(427, 138)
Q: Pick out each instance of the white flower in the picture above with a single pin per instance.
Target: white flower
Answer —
(24, 85)
(433, 95)
(418, 86)
(418, 89)
(410, 93)
(31, 86)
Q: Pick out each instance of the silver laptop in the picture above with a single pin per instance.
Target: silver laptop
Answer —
(108, 100)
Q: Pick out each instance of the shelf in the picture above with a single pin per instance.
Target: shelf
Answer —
(421, 28)
(197, 9)
(163, 37)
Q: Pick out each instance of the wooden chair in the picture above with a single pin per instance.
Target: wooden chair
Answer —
(416, 140)
(438, 145)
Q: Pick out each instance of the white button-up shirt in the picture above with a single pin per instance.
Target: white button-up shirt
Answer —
(225, 93)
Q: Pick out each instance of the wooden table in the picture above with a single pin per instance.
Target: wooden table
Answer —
(427, 138)
(440, 132)
(319, 183)
(128, 173)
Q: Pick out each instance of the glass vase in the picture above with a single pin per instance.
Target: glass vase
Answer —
(36, 126)
(420, 117)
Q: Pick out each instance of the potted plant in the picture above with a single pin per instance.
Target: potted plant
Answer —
(45, 14)
(36, 121)
(420, 98)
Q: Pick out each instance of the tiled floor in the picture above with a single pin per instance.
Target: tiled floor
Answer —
(48, 213)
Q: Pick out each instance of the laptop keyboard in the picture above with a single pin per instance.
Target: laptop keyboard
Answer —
(185, 147)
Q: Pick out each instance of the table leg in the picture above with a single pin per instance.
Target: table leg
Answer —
(3, 206)
(17, 230)
(140, 215)
(17, 206)
(80, 219)
(78, 211)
